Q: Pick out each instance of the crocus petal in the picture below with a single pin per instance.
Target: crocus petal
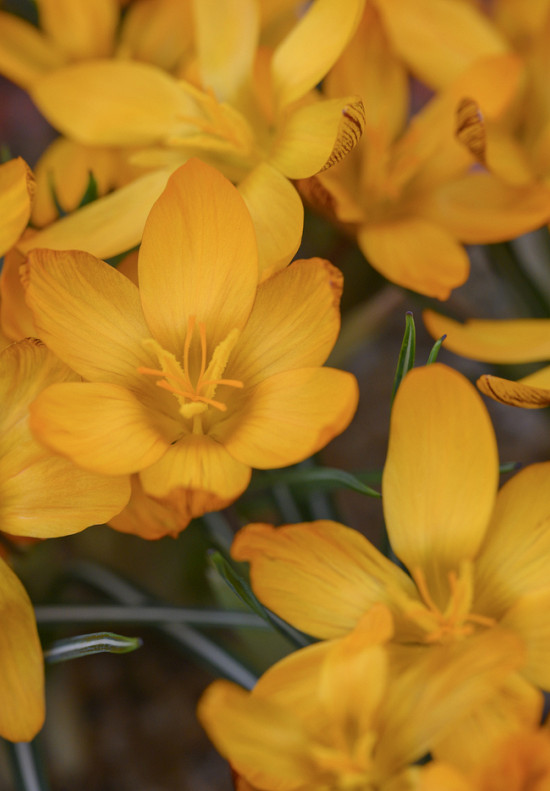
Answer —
(143, 516)
(288, 417)
(513, 562)
(263, 741)
(88, 314)
(195, 476)
(441, 473)
(41, 494)
(479, 208)
(291, 576)
(227, 38)
(16, 191)
(206, 266)
(317, 135)
(436, 776)
(25, 52)
(101, 427)
(417, 254)
(21, 663)
(514, 393)
(294, 322)
(111, 102)
(513, 341)
(80, 29)
(108, 226)
(299, 63)
(438, 40)
(159, 32)
(277, 214)
(530, 619)
(15, 315)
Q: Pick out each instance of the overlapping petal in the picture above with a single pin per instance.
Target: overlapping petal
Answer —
(80, 29)
(530, 619)
(25, 52)
(441, 473)
(16, 193)
(290, 574)
(520, 393)
(288, 416)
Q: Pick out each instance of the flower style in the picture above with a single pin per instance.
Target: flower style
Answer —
(41, 495)
(250, 113)
(505, 341)
(334, 717)
(475, 564)
(200, 374)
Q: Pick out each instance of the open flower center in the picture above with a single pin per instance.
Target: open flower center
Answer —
(455, 621)
(193, 389)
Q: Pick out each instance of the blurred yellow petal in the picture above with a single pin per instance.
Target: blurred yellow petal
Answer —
(101, 427)
(441, 473)
(514, 393)
(226, 40)
(194, 476)
(415, 253)
(288, 416)
(277, 214)
(16, 318)
(312, 47)
(480, 208)
(108, 226)
(317, 136)
(111, 102)
(88, 314)
(438, 40)
(510, 341)
(530, 620)
(205, 266)
(25, 52)
(21, 663)
(157, 32)
(436, 776)
(291, 576)
(511, 561)
(16, 192)
(80, 29)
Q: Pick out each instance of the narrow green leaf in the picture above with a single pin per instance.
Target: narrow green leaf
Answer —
(91, 192)
(28, 770)
(510, 466)
(329, 477)
(96, 643)
(407, 353)
(435, 350)
(5, 153)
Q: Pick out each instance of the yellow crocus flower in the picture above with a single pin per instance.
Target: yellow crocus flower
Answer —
(201, 373)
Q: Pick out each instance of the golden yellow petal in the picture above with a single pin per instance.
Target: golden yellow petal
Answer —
(198, 257)
(158, 32)
(514, 393)
(291, 576)
(300, 61)
(21, 663)
(529, 618)
(441, 473)
(80, 29)
(15, 316)
(145, 517)
(16, 193)
(25, 53)
(511, 341)
(287, 417)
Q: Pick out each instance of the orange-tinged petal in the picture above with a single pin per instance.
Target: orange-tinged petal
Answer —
(108, 226)
(294, 322)
(277, 214)
(157, 32)
(80, 29)
(205, 265)
(89, 315)
(441, 473)
(21, 663)
(530, 619)
(417, 254)
(438, 40)
(16, 318)
(436, 776)
(101, 427)
(299, 63)
(111, 102)
(262, 740)
(44, 495)
(226, 40)
(25, 52)
(288, 417)
(290, 574)
(195, 476)
(16, 192)
(514, 561)
(479, 208)
(143, 516)
(511, 341)
(317, 135)
(514, 393)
